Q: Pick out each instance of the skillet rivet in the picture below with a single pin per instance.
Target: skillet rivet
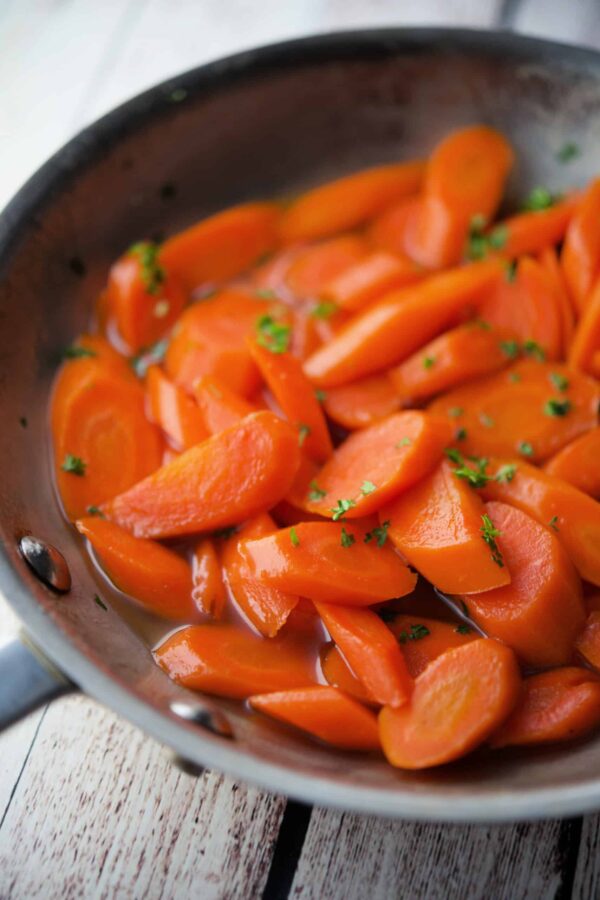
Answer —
(210, 719)
(46, 562)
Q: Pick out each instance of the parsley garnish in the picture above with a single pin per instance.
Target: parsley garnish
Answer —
(553, 523)
(465, 609)
(514, 377)
(556, 407)
(525, 448)
(510, 270)
(368, 487)
(303, 433)
(428, 362)
(272, 334)
(266, 293)
(294, 537)
(226, 532)
(506, 473)
(486, 420)
(76, 351)
(73, 464)
(379, 535)
(489, 535)
(476, 240)
(341, 507)
(560, 382)
(315, 492)
(533, 349)
(347, 539)
(476, 477)
(498, 237)
(463, 629)
(100, 603)
(568, 151)
(454, 454)
(416, 633)
(323, 310)
(539, 198)
(460, 434)
(405, 442)
(321, 395)
(510, 349)
(95, 511)
(455, 411)
(151, 272)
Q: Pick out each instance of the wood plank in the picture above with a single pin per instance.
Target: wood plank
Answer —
(586, 882)
(577, 22)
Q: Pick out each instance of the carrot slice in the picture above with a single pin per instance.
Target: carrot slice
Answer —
(579, 463)
(437, 526)
(222, 246)
(348, 202)
(358, 285)
(460, 699)
(530, 232)
(541, 611)
(423, 639)
(338, 673)
(208, 591)
(573, 515)
(325, 713)
(583, 352)
(588, 642)
(532, 410)
(559, 705)
(376, 464)
(311, 560)
(465, 177)
(313, 267)
(399, 323)
(580, 257)
(390, 230)
(151, 575)
(207, 487)
(371, 650)
(455, 357)
(225, 660)
(266, 607)
(361, 403)
(175, 412)
(219, 406)
(549, 260)
(295, 396)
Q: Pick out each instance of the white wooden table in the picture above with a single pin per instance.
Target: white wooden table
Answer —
(89, 808)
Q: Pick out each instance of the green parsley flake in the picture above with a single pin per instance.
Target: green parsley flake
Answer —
(405, 442)
(368, 487)
(454, 454)
(315, 492)
(294, 537)
(525, 448)
(510, 349)
(514, 377)
(538, 199)
(323, 310)
(463, 629)
(510, 271)
(341, 507)
(73, 464)
(272, 334)
(498, 237)
(476, 477)
(455, 411)
(506, 473)
(560, 381)
(553, 523)
(428, 362)
(100, 603)
(151, 272)
(95, 511)
(486, 420)
(533, 349)
(303, 433)
(347, 539)
(76, 351)
(489, 534)
(465, 609)
(568, 151)
(266, 293)
(476, 241)
(460, 434)
(321, 395)
(379, 535)
(556, 407)
(416, 633)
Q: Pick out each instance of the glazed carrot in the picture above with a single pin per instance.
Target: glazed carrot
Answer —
(549, 260)
(325, 713)
(329, 562)
(532, 410)
(464, 177)
(586, 340)
(559, 705)
(315, 266)
(399, 323)
(540, 612)
(228, 478)
(580, 257)
(295, 397)
(222, 246)
(376, 464)
(390, 230)
(423, 639)
(460, 699)
(588, 642)
(219, 406)
(143, 298)
(347, 202)
(379, 272)
(371, 650)
(459, 355)
(361, 403)
(579, 463)
(437, 526)
(266, 607)
(226, 660)
(573, 515)
(530, 232)
(153, 576)
(208, 590)
(176, 413)
(338, 673)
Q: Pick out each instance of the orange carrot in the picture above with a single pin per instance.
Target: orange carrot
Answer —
(208, 591)
(588, 642)
(361, 403)
(347, 202)
(313, 267)
(460, 699)
(580, 257)
(325, 713)
(338, 673)
(438, 527)
(219, 406)
(530, 232)
(175, 412)
(579, 463)
(391, 229)
(207, 487)
(549, 260)
(153, 576)
(586, 340)
(325, 561)
(423, 639)
(541, 611)
(378, 273)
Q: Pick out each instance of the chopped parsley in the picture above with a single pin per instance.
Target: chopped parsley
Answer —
(455, 411)
(99, 602)
(553, 523)
(379, 534)
(341, 507)
(151, 272)
(460, 434)
(95, 511)
(489, 534)
(454, 454)
(272, 334)
(556, 407)
(405, 442)
(428, 362)
(560, 381)
(538, 199)
(486, 420)
(303, 433)
(416, 633)
(525, 448)
(321, 395)
(76, 351)
(498, 237)
(347, 539)
(463, 629)
(510, 270)
(294, 537)
(510, 349)
(476, 240)
(570, 150)
(475, 475)
(514, 377)
(73, 464)
(506, 473)
(266, 293)
(323, 310)
(368, 487)
(315, 492)
(533, 349)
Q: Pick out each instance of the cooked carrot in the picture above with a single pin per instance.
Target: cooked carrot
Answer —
(530, 232)
(313, 267)
(222, 246)
(208, 591)
(460, 699)
(324, 712)
(295, 396)
(549, 260)
(464, 177)
(399, 323)
(438, 527)
(153, 576)
(266, 607)
(532, 410)
(423, 639)
(588, 642)
(329, 562)
(379, 272)
(223, 659)
(338, 673)
(371, 650)
(176, 413)
(580, 257)
(228, 478)
(219, 406)
(376, 464)
(347, 202)
(391, 229)
(579, 463)
(361, 403)
(540, 612)
(559, 705)
(458, 356)
(586, 340)
(573, 515)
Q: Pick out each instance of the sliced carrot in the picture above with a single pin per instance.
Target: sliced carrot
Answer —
(573, 515)
(460, 699)
(153, 576)
(207, 487)
(588, 642)
(579, 463)
(219, 406)
(437, 526)
(390, 230)
(348, 202)
(580, 257)
(423, 639)
(361, 403)
(311, 560)
(208, 591)
(465, 177)
(324, 712)
(399, 323)
(559, 705)
(583, 352)
(458, 356)
(371, 650)
(313, 267)
(530, 232)
(338, 673)
(376, 464)
(295, 396)
(176, 413)
(540, 612)
(360, 284)
(223, 659)
(222, 246)
(548, 257)
(532, 410)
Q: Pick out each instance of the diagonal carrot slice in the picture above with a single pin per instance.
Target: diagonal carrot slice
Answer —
(175, 412)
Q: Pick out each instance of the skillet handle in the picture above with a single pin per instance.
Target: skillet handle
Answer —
(27, 680)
